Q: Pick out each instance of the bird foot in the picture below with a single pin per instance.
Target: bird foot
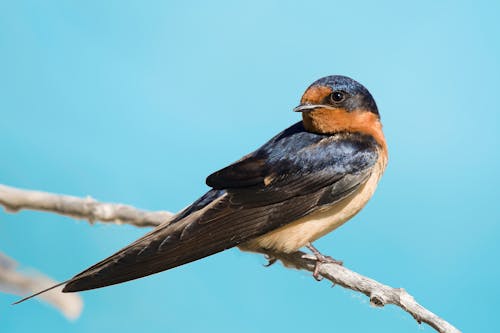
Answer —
(270, 260)
(321, 259)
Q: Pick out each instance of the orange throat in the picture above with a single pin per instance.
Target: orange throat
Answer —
(328, 121)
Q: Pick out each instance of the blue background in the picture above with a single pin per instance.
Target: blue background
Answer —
(137, 102)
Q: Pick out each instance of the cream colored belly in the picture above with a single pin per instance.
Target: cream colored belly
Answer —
(309, 228)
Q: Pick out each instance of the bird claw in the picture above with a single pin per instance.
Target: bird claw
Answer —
(270, 261)
(321, 259)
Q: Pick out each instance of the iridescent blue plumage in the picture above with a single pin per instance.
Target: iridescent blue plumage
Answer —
(299, 159)
(296, 153)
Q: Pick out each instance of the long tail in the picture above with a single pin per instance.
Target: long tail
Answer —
(41, 292)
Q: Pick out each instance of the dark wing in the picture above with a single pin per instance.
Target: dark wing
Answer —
(288, 178)
(296, 163)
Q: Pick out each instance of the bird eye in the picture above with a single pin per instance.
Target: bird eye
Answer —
(337, 96)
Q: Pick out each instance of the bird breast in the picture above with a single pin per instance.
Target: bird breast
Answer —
(297, 234)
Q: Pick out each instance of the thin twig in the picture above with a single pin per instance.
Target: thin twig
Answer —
(15, 199)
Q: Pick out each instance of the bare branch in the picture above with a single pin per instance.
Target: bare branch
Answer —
(17, 283)
(14, 199)
(378, 293)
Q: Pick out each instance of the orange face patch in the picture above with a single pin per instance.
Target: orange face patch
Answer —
(315, 94)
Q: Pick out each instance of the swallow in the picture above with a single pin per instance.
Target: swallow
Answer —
(302, 184)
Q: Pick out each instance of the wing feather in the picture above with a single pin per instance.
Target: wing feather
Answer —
(307, 171)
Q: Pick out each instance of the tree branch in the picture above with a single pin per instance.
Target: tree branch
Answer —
(379, 294)
(17, 283)
(15, 199)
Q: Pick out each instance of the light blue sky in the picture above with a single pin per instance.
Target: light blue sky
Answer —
(138, 101)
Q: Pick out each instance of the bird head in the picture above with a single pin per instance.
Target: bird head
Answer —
(337, 103)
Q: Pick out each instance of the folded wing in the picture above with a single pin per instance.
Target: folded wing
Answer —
(289, 177)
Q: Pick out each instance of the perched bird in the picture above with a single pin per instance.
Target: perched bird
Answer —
(302, 184)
